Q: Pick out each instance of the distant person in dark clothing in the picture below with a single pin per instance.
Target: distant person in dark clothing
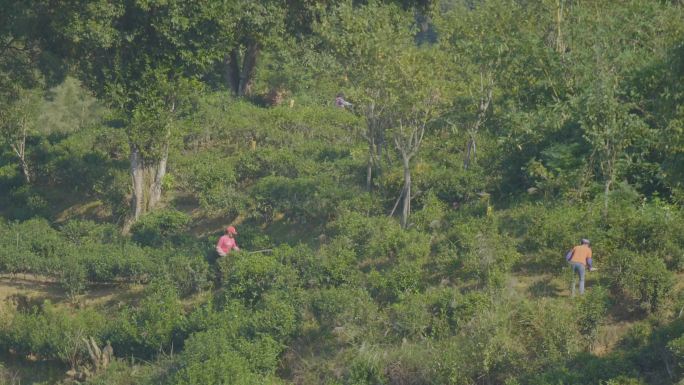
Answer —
(340, 102)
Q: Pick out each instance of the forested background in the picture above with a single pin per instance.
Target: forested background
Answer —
(415, 237)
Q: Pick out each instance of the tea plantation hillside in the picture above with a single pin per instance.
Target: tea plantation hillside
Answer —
(405, 179)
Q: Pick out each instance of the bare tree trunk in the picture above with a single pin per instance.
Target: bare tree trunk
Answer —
(21, 154)
(232, 67)
(560, 45)
(248, 66)
(406, 207)
(158, 177)
(485, 100)
(369, 172)
(606, 192)
(470, 153)
(20, 149)
(239, 69)
(138, 178)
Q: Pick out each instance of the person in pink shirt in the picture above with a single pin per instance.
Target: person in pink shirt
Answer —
(227, 243)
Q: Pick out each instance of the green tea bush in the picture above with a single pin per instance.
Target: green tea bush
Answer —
(652, 227)
(483, 253)
(252, 237)
(160, 227)
(337, 262)
(249, 277)
(113, 190)
(470, 305)
(151, 327)
(208, 359)
(591, 310)
(411, 317)
(623, 380)
(301, 199)
(81, 251)
(305, 262)
(72, 277)
(380, 239)
(267, 161)
(549, 331)
(676, 348)
(209, 176)
(101, 262)
(430, 217)
(365, 369)
(277, 315)
(646, 281)
(51, 332)
(189, 274)
(342, 306)
(487, 347)
(234, 334)
(32, 246)
(25, 203)
(547, 233)
(80, 232)
(403, 278)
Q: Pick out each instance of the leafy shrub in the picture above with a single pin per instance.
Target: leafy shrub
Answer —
(431, 214)
(276, 315)
(404, 278)
(380, 238)
(623, 380)
(32, 246)
(305, 199)
(249, 276)
(676, 348)
(51, 332)
(152, 326)
(483, 253)
(411, 317)
(303, 260)
(26, 203)
(189, 274)
(343, 306)
(365, 369)
(208, 359)
(591, 310)
(231, 334)
(550, 331)
(80, 232)
(253, 238)
(548, 232)
(113, 190)
(646, 281)
(337, 264)
(159, 227)
(72, 277)
(210, 177)
(487, 347)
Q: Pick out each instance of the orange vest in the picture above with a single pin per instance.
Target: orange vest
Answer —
(580, 254)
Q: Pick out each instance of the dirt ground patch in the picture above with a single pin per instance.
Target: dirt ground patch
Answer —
(37, 289)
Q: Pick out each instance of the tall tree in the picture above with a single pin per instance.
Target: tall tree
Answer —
(18, 120)
(255, 25)
(144, 58)
(610, 127)
(364, 40)
(397, 85)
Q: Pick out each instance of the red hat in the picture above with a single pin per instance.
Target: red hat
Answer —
(231, 230)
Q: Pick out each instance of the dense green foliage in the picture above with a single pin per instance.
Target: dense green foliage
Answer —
(414, 237)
